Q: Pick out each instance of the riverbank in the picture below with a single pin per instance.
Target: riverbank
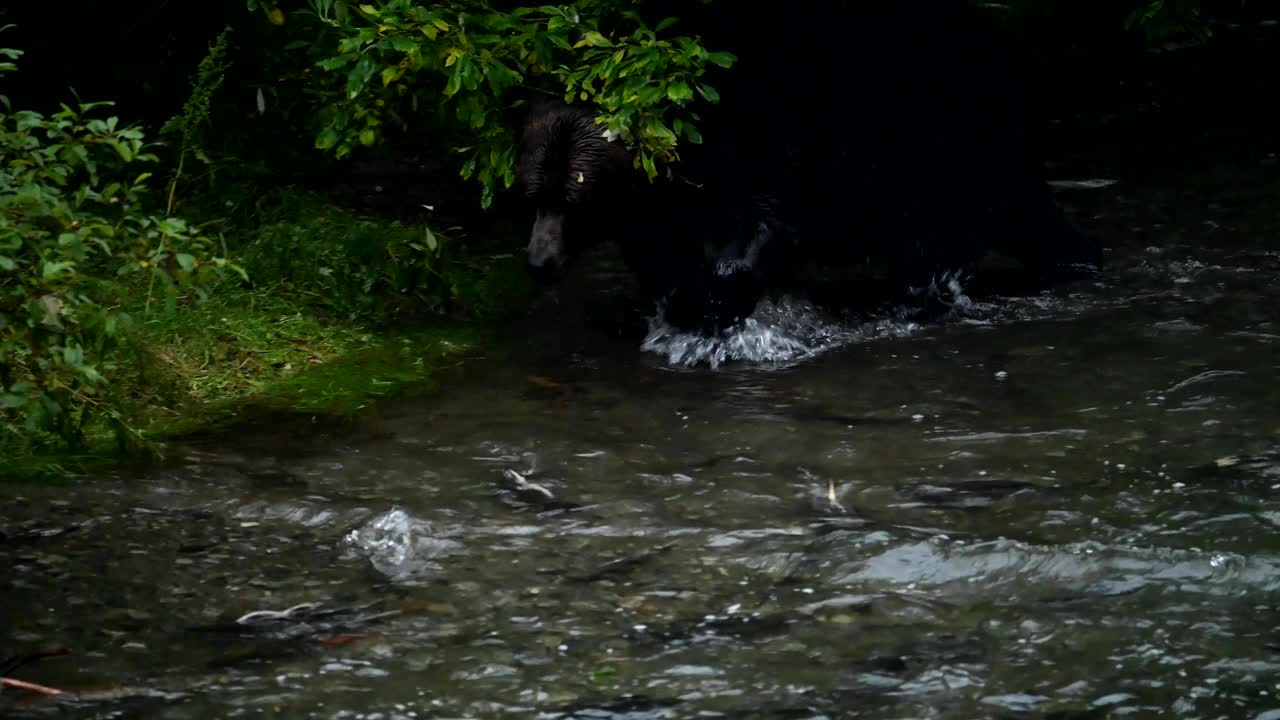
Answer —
(343, 307)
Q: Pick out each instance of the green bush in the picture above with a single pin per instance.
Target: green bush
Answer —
(81, 256)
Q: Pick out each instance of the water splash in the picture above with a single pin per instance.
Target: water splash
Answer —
(399, 545)
(778, 333)
(791, 330)
(946, 289)
(775, 333)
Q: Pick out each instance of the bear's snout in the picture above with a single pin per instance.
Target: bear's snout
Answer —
(546, 247)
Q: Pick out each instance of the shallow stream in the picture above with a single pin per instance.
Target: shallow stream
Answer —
(1062, 506)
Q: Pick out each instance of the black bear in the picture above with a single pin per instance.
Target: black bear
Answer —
(907, 139)
(697, 249)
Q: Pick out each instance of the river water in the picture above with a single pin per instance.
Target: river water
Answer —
(1059, 506)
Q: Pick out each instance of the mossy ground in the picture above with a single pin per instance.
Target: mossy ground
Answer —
(338, 316)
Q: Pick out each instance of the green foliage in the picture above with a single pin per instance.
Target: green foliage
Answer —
(344, 265)
(1160, 19)
(190, 124)
(320, 331)
(75, 238)
(380, 60)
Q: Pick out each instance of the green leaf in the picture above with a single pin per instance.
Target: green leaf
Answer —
(126, 152)
(709, 93)
(666, 23)
(327, 138)
(594, 39)
(454, 83)
(359, 76)
(646, 159)
(402, 43)
(367, 137)
(471, 75)
(431, 241)
(7, 263)
(500, 76)
(723, 59)
(336, 62)
(12, 401)
(389, 74)
(679, 91)
(186, 261)
(53, 269)
(649, 95)
(658, 129)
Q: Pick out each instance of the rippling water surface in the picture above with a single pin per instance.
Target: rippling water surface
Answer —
(1059, 506)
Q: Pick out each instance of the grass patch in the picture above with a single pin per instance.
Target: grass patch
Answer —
(256, 353)
(341, 311)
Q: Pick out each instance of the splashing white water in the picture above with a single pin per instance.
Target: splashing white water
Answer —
(398, 544)
(792, 330)
(775, 334)
(948, 289)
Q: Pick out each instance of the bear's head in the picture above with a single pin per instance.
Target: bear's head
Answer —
(574, 176)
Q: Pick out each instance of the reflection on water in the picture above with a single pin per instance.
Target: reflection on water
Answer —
(1058, 506)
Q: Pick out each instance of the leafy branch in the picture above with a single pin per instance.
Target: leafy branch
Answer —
(385, 57)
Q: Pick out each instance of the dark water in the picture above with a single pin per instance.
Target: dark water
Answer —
(1062, 506)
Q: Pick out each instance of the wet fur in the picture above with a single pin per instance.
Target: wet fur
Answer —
(560, 143)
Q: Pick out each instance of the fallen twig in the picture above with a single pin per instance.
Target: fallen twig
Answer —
(30, 687)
